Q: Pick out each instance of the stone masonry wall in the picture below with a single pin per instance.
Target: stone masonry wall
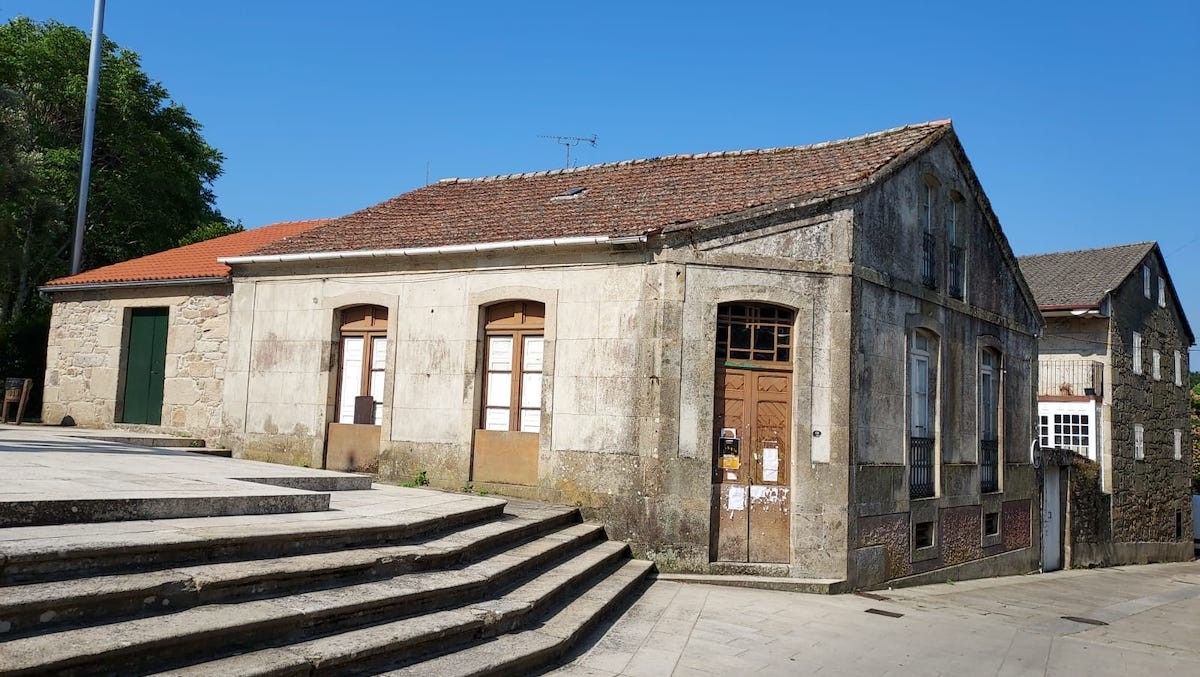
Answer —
(86, 357)
(1148, 493)
(890, 302)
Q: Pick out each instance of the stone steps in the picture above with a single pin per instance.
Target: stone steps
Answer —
(56, 556)
(524, 652)
(378, 645)
(359, 599)
(44, 606)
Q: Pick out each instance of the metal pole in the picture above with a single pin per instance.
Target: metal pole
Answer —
(89, 124)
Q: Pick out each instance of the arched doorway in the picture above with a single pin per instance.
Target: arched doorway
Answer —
(509, 424)
(352, 442)
(753, 433)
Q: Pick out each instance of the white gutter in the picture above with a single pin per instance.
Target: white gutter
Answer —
(428, 251)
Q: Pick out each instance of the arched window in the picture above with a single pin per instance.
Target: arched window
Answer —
(922, 397)
(954, 242)
(989, 420)
(363, 343)
(513, 355)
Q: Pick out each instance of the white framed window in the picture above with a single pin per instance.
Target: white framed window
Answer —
(1178, 444)
(513, 358)
(989, 394)
(952, 222)
(1139, 441)
(363, 362)
(927, 207)
(1156, 365)
(1137, 353)
(1178, 368)
(1072, 431)
(1070, 425)
(1162, 292)
(922, 384)
(1146, 281)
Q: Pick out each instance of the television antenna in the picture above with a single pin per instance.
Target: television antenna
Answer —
(568, 141)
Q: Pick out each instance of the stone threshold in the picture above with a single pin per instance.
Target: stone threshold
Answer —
(819, 586)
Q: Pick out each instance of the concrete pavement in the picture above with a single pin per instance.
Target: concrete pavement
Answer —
(1129, 620)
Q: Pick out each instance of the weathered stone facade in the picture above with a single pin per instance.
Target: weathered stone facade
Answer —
(1123, 509)
(628, 380)
(891, 302)
(1148, 493)
(86, 356)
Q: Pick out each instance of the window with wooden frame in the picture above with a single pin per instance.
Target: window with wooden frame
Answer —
(363, 361)
(514, 343)
(749, 332)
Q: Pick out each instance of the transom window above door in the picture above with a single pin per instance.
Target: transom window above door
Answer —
(514, 351)
(754, 332)
(363, 343)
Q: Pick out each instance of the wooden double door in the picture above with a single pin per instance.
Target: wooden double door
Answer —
(752, 465)
(145, 366)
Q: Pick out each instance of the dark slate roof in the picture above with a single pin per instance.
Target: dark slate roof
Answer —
(633, 197)
(1081, 278)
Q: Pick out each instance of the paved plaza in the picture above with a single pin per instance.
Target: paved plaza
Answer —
(1142, 620)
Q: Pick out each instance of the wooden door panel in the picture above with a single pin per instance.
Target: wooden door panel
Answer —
(769, 508)
(731, 408)
(730, 524)
(770, 524)
(751, 509)
(145, 362)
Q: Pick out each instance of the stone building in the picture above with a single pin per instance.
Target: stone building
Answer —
(1113, 388)
(143, 342)
(810, 361)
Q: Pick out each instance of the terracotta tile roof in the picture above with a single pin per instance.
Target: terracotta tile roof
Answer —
(622, 198)
(1081, 278)
(191, 261)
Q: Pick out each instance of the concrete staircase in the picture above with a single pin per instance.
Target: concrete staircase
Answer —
(493, 587)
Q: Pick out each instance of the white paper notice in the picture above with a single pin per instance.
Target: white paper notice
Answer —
(770, 466)
(737, 498)
(758, 493)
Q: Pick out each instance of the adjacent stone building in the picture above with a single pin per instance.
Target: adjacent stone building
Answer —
(1113, 365)
(811, 361)
(143, 342)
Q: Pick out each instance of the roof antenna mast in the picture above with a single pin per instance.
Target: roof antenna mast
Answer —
(568, 141)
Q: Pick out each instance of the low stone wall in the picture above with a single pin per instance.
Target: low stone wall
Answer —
(85, 357)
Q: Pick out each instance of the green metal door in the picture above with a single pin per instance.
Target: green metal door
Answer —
(145, 360)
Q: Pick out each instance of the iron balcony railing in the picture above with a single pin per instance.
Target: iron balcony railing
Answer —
(1070, 378)
(928, 261)
(989, 466)
(955, 283)
(920, 460)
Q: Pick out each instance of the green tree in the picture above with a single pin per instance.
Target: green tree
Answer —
(152, 172)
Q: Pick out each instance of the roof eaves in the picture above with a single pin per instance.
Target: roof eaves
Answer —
(469, 248)
(162, 282)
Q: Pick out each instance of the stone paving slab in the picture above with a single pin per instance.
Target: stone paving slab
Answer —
(1004, 626)
(52, 477)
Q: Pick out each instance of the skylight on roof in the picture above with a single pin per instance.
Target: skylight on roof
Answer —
(571, 194)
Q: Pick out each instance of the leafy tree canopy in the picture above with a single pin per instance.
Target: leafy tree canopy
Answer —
(152, 171)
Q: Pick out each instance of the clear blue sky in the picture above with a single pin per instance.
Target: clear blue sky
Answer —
(1080, 118)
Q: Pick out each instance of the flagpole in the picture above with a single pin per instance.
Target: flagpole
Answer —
(89, 125)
